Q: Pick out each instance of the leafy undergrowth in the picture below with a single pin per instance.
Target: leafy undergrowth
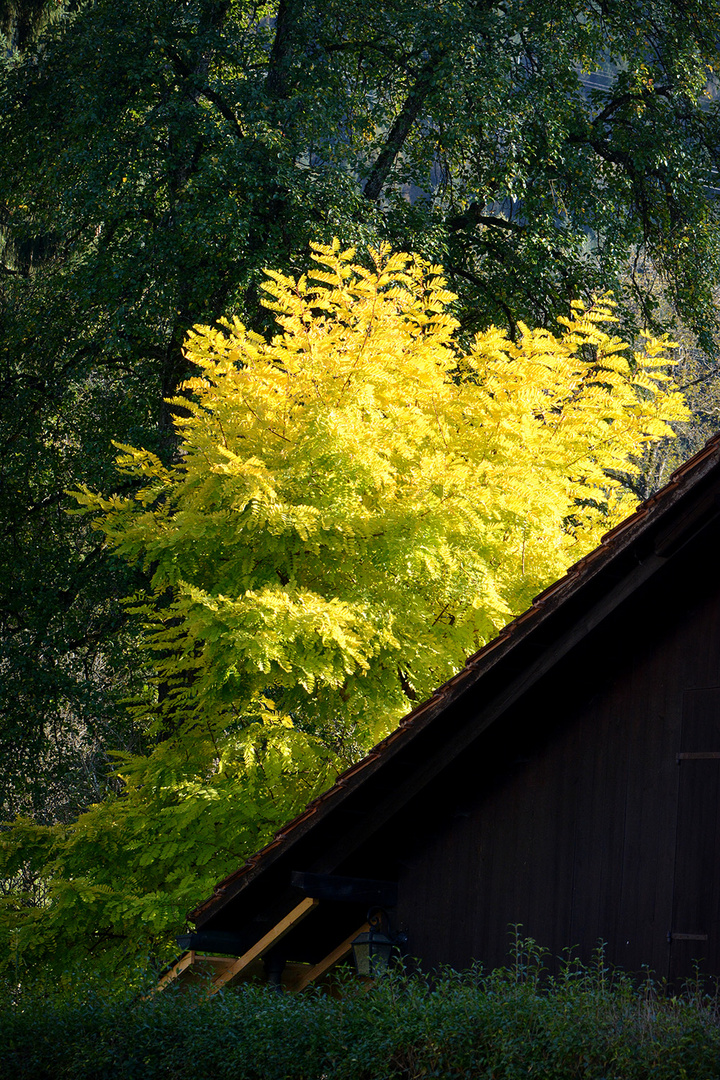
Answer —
(508, 1024)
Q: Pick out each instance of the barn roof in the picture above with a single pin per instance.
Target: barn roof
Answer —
(442, 728)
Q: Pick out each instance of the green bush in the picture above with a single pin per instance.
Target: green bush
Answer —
(509, 1024)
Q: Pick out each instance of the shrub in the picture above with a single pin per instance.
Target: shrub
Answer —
(506, 1025)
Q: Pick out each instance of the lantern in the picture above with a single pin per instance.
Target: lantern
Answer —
(373, 949)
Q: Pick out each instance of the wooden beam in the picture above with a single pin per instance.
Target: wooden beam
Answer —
(366, 891)
(329, 961)
(177, 969)
(191, 967)
(272, 937)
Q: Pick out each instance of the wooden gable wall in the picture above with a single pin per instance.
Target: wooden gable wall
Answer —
(574, 817)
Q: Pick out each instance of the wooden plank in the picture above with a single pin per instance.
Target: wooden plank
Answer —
(272, 937)
(176, 970)
(648, 704)
(192, 967)
(697, 876)
(328, 961)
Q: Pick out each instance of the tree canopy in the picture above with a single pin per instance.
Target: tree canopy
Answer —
(156, 155)
(359, 501)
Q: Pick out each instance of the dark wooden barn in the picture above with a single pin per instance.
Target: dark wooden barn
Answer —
(568, 780)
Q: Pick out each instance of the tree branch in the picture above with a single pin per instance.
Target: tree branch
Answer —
(276, 83)
(474, 216)
(628, 99)
(186, 72)
(401, 128)
(483, 285)
(224, 109)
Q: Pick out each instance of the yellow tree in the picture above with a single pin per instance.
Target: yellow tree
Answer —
(358, 504)
(362, 501)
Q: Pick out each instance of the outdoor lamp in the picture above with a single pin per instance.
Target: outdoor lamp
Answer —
(373, 948)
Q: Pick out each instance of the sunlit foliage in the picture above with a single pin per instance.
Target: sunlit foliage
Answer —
(359, 502)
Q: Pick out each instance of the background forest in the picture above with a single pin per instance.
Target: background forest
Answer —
(157, 155)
